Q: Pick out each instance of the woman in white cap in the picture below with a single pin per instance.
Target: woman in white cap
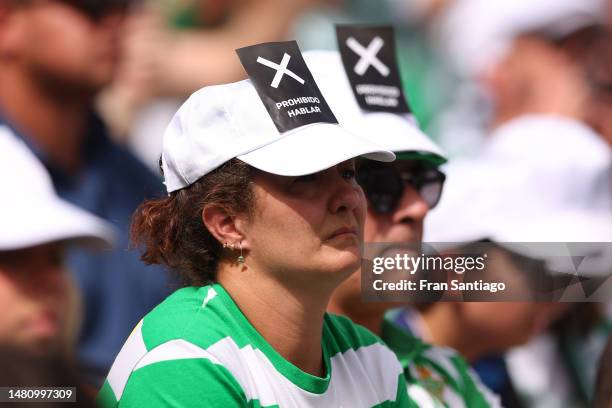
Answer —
(263, 226)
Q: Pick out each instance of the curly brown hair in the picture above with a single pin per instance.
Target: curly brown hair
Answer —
(171, 232)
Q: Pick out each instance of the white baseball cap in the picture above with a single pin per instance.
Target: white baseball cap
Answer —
(31, 213)
(222, 122)
(538, 179)
(397, 132)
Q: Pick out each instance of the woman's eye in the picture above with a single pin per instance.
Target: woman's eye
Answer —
(348, 174)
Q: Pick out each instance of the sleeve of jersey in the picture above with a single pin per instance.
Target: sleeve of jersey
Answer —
(185, 383)
(402, 399)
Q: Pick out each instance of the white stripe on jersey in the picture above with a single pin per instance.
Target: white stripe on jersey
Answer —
(358, 378)
(174, 350)
(132, 351)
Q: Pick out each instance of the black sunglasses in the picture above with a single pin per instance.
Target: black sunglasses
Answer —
(97, 9)
(383, 185)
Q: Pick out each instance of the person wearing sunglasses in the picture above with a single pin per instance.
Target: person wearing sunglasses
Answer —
(385, 185)
(55, 56)
(399, 195)
(95, 10)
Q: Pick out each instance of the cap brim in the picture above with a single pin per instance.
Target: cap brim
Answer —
(313, 148)
(400, 134)
(56, 221)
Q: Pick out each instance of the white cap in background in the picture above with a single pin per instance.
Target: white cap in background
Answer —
(31, 213)
(538, 179)
(397, 132)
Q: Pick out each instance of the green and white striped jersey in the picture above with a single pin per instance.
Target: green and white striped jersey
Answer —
(437, 376)
(197, 349)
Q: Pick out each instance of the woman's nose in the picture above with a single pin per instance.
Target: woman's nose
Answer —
(347, 196)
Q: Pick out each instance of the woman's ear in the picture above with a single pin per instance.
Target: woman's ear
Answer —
(221, 225)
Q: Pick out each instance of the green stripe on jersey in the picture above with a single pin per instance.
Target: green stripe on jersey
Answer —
(183, 383)
(198, 349)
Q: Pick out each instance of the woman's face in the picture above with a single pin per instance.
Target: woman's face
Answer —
(307, 227)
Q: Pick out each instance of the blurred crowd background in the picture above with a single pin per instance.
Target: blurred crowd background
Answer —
(90, 85)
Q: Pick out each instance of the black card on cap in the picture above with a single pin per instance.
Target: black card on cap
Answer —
(285, 85)
(368, 55)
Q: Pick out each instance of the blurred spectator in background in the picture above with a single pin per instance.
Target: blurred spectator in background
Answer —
(591, 49)
(534, 181)
(36, 292)
(54, 58)
(511, 61)
(544, 70)
(173, 48)
(536, 70)
(39, 301)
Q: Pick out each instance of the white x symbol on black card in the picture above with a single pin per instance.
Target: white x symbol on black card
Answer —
(281, 70)
(368, 56)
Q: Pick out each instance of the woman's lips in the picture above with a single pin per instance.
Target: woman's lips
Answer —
(344, 232)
